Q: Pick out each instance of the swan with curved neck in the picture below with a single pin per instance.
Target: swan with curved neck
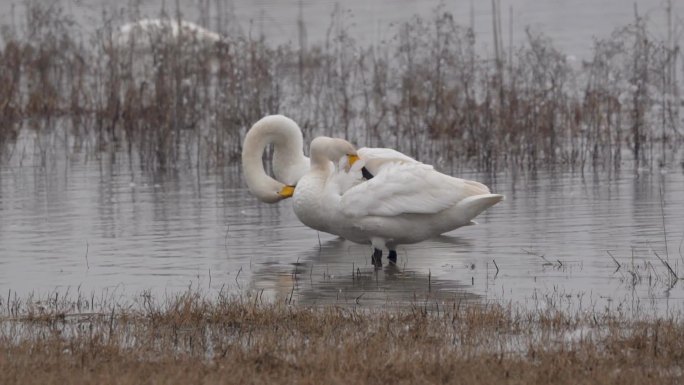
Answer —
(289, 162)
(405, 202)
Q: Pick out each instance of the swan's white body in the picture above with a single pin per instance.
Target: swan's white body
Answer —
(289, 162)
(405, 202)
(145, 31)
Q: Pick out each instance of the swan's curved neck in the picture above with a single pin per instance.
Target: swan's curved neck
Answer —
(289, 162)
(319, 159)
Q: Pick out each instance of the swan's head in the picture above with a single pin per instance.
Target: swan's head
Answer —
(269, 190)
(325, 150)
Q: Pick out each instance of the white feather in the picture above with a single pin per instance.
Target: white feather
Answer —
(407, 188)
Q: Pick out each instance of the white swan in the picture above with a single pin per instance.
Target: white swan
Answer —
(145, 31)
(404, 202)
(289, 162)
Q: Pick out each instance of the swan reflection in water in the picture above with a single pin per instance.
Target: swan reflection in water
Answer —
(338, 272)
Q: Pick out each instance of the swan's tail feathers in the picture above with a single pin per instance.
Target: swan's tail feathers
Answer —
(474, 205)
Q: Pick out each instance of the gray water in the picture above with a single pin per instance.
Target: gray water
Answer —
(101, 226)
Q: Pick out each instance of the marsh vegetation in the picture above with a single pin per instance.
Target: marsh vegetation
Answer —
(180, 100)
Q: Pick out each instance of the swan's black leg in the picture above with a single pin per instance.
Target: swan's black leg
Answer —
(392, 256)
(376, 258)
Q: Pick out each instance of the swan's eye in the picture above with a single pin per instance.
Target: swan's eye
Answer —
(286, 191)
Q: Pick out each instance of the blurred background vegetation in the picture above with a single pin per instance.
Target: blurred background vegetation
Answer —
(179, 99)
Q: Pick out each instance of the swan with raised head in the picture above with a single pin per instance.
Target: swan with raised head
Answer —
(404, 202)
(289, 162)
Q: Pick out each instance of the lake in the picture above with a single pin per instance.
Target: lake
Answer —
(101, 226)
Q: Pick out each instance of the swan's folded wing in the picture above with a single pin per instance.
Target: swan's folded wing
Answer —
(407, 188)
(383, 153)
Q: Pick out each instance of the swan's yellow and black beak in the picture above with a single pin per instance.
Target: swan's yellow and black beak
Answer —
(352, 159)
(364, 171)
(287, 191)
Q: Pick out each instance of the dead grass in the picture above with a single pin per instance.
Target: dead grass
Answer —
(194, 339)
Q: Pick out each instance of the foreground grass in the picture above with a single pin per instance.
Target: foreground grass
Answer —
(193, 339)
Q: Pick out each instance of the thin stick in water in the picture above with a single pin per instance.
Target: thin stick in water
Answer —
(662, 215)
(237, 275)
(614, 260)
(86, 257)
(666, 265)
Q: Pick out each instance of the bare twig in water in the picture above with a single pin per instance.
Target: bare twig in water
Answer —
(497, 268)
(292, 293)
(86, 256)
(680, 249)
(662, 215)
(225, 240)
(294, 272)
(548, 263)
(237, 275)
(614, 260)
(666, 265)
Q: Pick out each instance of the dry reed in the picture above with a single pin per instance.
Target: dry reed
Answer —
(171, 101)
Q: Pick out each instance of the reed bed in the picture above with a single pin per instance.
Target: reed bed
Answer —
(191, 338)
(174, 100)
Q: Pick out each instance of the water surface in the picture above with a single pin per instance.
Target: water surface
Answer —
(101, 226)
